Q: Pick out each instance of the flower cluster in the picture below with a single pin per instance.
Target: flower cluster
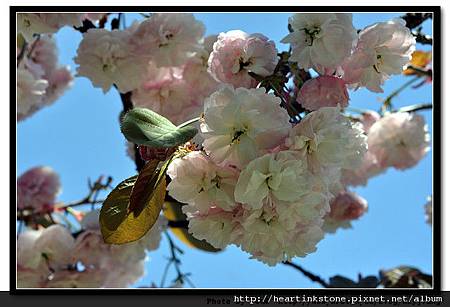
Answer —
(398, 140)
(162, 61)
(30, 24)
(40, 79)
(329, 44)
(37, 189)
(382, 50)
(271, 166)
(237, 53)
(345, 207)
(55, 258)
(259, 183)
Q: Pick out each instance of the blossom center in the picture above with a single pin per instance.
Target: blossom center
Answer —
(237, 135)
(166, 37)
(243, 64)
(379, 62)
(311, 34)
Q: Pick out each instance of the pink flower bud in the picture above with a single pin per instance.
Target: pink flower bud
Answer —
(37, 189)
(347, 206)
(323, 91)
(368, 119)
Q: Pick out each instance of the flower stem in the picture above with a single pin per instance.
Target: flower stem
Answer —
(387, 102)
(191, 121)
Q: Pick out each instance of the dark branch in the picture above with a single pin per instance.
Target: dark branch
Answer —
(87, 24)
(308, 274)
(416, 107)
(22, 53)
(127, 106)
(420, 71)
(413, 20)
(423, 38)
(178, 224)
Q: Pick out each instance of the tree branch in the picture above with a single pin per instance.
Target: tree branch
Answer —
(22, 53)
(127, 106)
(413, 20)
(423, 38)
(309, 275)
(174, 250)
(416, 107)
(91, 198)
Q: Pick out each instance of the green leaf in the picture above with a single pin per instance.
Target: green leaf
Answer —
(114, 209)
(145, 127)
(172, 211)
(119, 224)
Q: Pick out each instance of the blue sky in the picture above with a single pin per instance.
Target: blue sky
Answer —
(79, 137)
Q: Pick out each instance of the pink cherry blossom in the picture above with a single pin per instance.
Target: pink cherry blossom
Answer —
(166, 92)
(39, 23)
(369, 168)
(345, 207)
(37, 189)
(320, 40)
(105, 58)
(237, 53)
(168, 39)
(399, 139)
(383, 49)
(323, 91)
(59, 81)
(368, 119)
(30, 93)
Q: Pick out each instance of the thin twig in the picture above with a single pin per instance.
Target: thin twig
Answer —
(22, 53)
(91, 198)
(311, 276)
(33, 45)
(421, 71)
(387, 104)
(181, 277)
(423, 38)
(415, 107)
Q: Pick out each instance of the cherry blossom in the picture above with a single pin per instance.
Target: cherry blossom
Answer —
(105, 58)
(399, 139)
(37, 189)
(239, 123)
(345, 207)
(383, 49)
(237, 53)
(168, 39)
(29, 24)
(40, 79)
(269, 179)
(320, 40)
(323, 91)
(326, 138)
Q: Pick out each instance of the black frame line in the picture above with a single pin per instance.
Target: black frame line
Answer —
(436, 148)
